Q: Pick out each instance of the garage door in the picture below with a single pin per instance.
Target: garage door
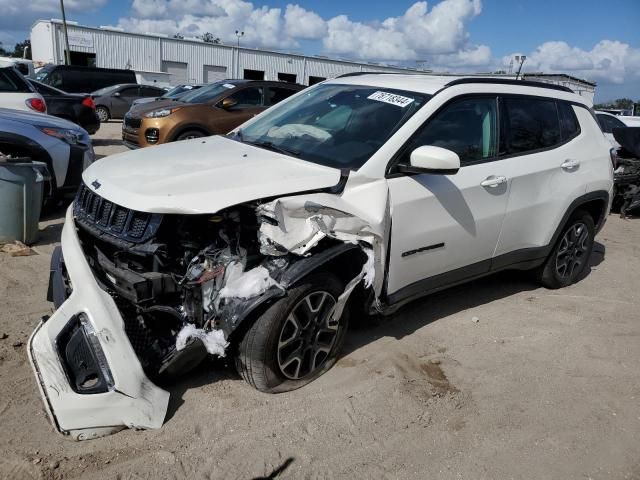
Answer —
(213, 74)
(178, 71)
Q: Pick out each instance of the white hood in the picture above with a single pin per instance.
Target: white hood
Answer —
(202, 175)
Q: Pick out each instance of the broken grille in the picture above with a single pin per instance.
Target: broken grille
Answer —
(91, 210)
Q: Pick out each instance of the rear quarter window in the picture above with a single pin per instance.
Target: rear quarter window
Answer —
(532, 124)
(569, 126)
(10, 81)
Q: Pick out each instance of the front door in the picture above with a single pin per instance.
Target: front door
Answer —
(122, 103)
(249, 101)
(445, 228)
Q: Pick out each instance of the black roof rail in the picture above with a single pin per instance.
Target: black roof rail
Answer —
(508, 81)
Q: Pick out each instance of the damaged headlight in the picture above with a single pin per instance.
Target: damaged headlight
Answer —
(163, 112)
(82, 357)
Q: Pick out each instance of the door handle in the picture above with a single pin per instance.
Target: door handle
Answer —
(570, 164)
(492, 181)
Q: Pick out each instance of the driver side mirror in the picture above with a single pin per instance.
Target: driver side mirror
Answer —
(433, 160)
(228, 103)
(117, 94)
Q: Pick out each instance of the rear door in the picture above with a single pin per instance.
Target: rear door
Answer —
(121, 104)
(538, 150)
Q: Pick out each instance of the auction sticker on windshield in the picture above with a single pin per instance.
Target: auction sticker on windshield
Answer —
(391, 98)
(228, 85)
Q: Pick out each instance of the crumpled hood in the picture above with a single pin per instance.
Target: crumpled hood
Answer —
(203, 175)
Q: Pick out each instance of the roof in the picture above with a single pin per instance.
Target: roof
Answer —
(431, 84)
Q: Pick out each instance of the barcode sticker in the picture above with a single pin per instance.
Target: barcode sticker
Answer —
(228, 85)
(392, 98)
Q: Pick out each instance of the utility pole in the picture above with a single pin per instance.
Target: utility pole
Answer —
(67, 52)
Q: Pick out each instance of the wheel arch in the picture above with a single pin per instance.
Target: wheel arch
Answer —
(186, 128)
(595, 203)
(344, 260)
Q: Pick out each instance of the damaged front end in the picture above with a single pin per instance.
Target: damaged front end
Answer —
(144, 296)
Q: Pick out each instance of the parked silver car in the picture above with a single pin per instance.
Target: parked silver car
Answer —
(115, 101)
(63, 146)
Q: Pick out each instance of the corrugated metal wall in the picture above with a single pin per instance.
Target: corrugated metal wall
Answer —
(115, 49)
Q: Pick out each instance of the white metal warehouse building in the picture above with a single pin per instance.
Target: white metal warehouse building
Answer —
(169, 61)
(164, 61)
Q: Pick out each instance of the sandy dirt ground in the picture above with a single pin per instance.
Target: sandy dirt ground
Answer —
(497, 379)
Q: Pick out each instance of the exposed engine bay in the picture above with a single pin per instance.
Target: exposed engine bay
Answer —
(177, 279)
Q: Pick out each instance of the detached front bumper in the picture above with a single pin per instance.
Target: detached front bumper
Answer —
(84, 336)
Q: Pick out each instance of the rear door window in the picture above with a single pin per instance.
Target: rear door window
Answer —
(532, 124)
(130, 92)
(277, 94)
(10, 81)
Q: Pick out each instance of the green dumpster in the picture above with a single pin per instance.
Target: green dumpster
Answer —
(21, 190)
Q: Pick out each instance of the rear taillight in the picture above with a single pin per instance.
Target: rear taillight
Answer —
(36, 104)
(88, 102)
(614, 157)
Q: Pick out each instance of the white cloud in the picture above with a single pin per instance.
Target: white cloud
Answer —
(302, 23)
(608, 61)
(417, 33)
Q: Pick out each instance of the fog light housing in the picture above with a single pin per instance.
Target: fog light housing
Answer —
(82, 357)
(152, 135)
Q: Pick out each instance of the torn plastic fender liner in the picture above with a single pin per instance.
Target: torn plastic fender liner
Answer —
(238, 310)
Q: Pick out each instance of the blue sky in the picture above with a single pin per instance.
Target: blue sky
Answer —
(599, 40)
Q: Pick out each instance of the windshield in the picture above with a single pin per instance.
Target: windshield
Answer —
(179, 91)
(339, 126)
(105, 90)
(207, 93)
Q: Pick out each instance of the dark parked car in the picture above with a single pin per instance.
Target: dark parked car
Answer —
(115, 101)
(74, 79)
(75, 107)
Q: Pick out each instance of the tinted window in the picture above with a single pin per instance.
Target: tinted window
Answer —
(569, 126)
(608, 123)
(277, 94)
(10, 81)
(532, 124)
(152, 92)
(129, 92)
(467, 127)
(248, 97)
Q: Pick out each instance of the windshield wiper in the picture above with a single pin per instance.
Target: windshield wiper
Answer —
(273, 147)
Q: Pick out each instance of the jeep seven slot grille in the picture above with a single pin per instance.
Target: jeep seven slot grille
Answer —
(95, 212)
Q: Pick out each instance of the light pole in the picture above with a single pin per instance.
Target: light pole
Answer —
(520, 59)
(239, 34)
(67, 53)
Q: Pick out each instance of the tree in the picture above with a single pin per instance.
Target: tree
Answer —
(18, 51)
(3, 52)
(620, 103)
(210, 38)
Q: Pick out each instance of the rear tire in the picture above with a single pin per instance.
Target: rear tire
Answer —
(189, 134)
(570, 256)
(293, 342)
(103, 114)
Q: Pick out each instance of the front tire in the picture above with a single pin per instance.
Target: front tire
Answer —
(103, 114)
(189, 134)
(294, 341)
(570, 256)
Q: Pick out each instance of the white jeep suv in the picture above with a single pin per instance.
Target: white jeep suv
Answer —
(365, 191)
